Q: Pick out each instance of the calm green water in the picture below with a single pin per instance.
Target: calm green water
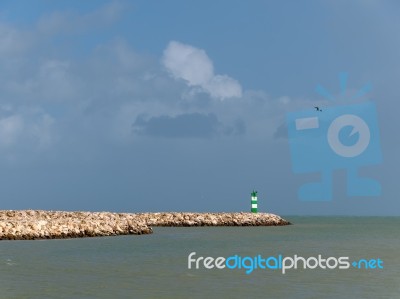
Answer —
(155, 266)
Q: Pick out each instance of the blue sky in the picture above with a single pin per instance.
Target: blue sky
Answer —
(180, 106)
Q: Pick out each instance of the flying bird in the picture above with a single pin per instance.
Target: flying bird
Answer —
(318, 109)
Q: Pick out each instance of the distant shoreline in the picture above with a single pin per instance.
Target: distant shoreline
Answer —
(40, 224)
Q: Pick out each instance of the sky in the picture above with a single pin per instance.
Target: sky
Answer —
(136, 106)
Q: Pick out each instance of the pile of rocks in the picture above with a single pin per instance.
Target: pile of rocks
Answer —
(20, 225)
(212, 219)
(30, 224)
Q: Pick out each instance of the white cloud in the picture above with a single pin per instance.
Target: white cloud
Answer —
(222, 86)
(196, 68)
(188, 63)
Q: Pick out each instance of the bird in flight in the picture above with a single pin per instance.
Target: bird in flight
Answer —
(318, 109)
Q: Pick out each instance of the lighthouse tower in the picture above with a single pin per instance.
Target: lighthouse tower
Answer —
(254, 206)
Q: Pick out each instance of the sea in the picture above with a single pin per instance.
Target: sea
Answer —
(233, 262)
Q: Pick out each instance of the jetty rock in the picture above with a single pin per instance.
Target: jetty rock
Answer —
(212, 219)
(33, 224)
(38, 224)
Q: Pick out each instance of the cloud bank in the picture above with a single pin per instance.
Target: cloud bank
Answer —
(53, 100)
(188, 125)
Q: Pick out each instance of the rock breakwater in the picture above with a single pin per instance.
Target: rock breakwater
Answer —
(22, 225)
(34, 224)
(212, 219)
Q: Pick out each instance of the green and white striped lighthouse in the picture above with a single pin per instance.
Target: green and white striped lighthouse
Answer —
(254, 206)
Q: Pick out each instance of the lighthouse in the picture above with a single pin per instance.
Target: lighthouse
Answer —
(254, 202)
